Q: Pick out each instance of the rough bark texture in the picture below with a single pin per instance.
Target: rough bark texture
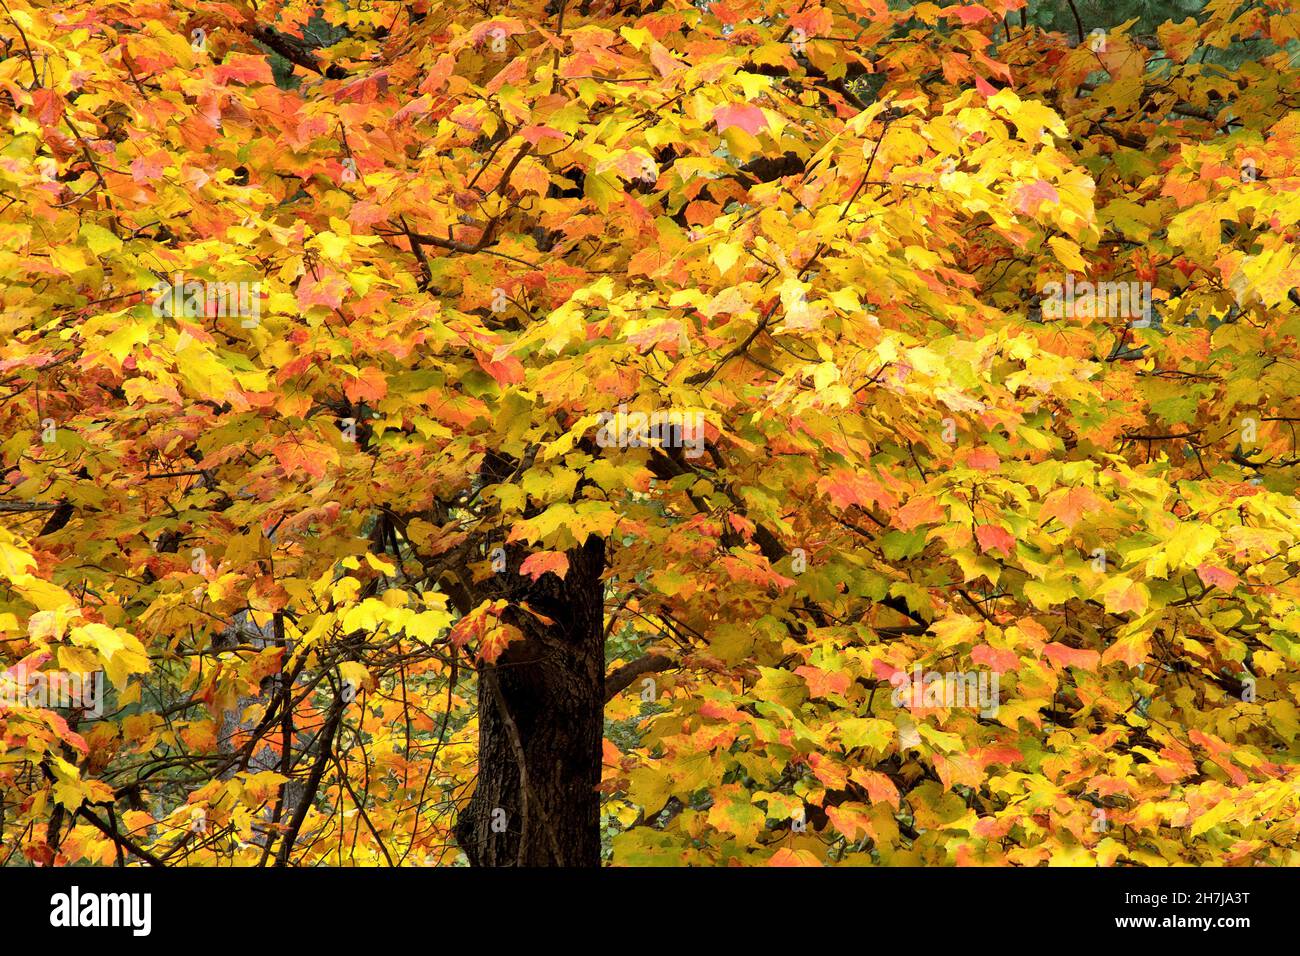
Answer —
(543, 701)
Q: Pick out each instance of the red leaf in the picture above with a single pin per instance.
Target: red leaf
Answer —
(328, 290)
(879, 787)
(1069, 505)
(496, 640)
(294, 368)
(788, 857)
(998, 753)
(508, 371)
(535, 565)
(995, 537)
(972, 13)
(919, 511)
(369, 384)
(1029, 198)
(823, 683)
(244, 68)
(535, 133)
(1065, 656)
(994, 658)
(984, 459)
(293, 454)
(747, 117)
(145, 169)
(1214, 576)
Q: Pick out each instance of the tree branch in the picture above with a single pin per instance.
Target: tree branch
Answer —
(294, 50)
(117, 838)
(8, 506)
(313, 782)
(621, 677)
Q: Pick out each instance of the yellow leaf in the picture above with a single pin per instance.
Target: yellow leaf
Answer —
(1212, 817)
(99, 239)
(725, 255)
(366, 616)
(428, 625)
(127, 336)
(355, 674)
(69, 259)
(1067, 253)
(106, 640)
(14, 563)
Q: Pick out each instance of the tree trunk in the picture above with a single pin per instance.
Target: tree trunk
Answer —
(542, 704)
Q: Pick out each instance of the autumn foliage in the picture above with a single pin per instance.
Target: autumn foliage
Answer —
(325, 328)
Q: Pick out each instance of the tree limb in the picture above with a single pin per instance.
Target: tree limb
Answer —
(313, 782)
(117, 838)
(621, 677)
(294, 50)
(9, 506)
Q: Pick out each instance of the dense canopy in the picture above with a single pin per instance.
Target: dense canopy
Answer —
(623, 430)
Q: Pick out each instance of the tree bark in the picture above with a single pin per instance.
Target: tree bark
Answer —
(541, 720)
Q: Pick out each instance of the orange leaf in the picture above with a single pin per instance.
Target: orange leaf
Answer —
(994, 658)
(1069, 505)
(1063, 655)
(1214, 576)
(747, 117)
(787, 857)
(992, 536)
(535, 565)
(879, 787)
(918, 511)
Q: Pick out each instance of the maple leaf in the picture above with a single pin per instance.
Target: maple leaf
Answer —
(994, 658)
(823, 683)
(879, 787)
(984, 459)
(369, 384)
(787, 856)
(1029, 198)
(970, 12)
(543, 562)
(1065, 656)
(1214, 576)
(918, 511)
(995, 537)
(744, 116)
(1130, 649)
(1069, 505)
(496, 640)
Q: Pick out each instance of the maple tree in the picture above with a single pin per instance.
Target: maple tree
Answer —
(376, 564)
